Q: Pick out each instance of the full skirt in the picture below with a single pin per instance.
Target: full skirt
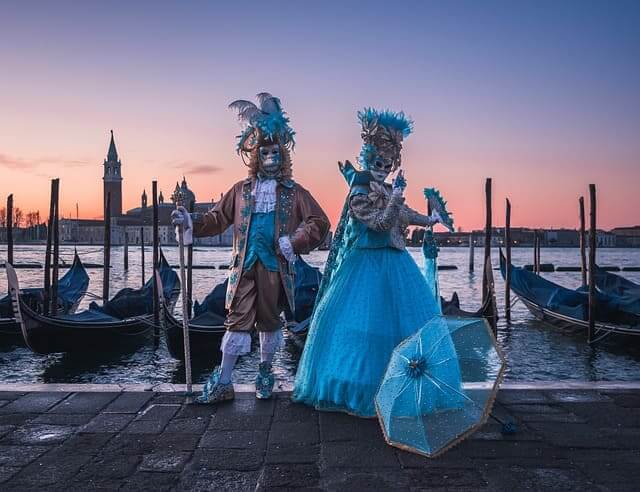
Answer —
(376, 299)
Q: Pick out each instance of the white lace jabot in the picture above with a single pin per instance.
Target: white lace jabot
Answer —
(264, 193)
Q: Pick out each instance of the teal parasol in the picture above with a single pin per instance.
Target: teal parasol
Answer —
(440, 385)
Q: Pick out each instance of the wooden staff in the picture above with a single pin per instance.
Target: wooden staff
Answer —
(487, 236)
(583, 244)
(56, 249)
(156, 256)
(178, 199)
(107, 249)
(10, 229)
(507, 277)
(47, 255)
(592, 262)
(142, 254)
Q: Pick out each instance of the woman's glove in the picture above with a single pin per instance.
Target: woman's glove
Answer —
(436, 217)
(399, 184)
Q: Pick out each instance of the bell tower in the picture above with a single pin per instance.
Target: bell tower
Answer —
(112, 179)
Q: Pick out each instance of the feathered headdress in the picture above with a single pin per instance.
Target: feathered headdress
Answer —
(382, 136)
(267, 123)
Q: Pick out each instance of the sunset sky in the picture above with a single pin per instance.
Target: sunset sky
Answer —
(543, 96)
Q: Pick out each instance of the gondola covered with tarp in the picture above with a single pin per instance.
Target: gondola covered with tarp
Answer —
(624, 290)
(206, 328)
(569, 308)
(72, 287)
(125, 319)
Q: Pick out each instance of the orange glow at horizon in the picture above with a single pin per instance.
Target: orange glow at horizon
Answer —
(546, 197)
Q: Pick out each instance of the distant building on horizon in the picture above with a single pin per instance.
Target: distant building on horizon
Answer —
(136, 223)
(112, 180)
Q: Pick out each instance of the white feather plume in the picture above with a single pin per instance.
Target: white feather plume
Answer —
(268, 103)
(247, 111)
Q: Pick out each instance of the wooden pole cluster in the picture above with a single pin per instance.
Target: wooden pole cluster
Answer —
(142, 254)
(507, 279)
(156, 256)
(536, 251)
(10, 229)
(583, 244)
(107, 248)
(592, 262)
(487, 237)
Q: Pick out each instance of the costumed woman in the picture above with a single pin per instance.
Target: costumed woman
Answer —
(273, 219)
(373, 295)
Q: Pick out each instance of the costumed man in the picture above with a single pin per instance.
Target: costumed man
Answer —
(273, 219)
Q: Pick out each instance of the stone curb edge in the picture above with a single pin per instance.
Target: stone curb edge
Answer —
(287, 388)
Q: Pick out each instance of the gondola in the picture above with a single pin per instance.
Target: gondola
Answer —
(626, 291)
(568, 309)
(71, 289)
(452, 308)
(206, 329)
(123, 321)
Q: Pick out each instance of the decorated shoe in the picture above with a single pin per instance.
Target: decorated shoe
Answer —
(214, 391)
(265, 381)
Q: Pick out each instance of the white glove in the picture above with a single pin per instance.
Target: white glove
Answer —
(179, 216)
(287, 249)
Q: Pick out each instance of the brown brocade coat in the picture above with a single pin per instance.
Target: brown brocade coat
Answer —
(298, 216)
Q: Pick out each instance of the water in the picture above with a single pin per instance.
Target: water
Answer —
(535, 351)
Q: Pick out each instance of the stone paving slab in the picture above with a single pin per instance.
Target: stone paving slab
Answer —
(572, 439)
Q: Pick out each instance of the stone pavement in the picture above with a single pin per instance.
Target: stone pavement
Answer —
(55, 440)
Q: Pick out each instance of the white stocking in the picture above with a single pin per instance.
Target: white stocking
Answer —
(270, 342)
(233, 345)
(228, 363)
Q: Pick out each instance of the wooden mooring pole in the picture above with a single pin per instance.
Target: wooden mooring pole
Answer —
(107, 249)
(539, 252)
(47, 255)
(56, 250)
(10, 229)
(126, 250)
(487, 237)
(592, 262)
(583, 244)
(507, 279)
(156, 256)
(471, 252)
(142, 254)
(190, 271)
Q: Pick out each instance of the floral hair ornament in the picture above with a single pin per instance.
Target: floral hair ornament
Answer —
(382, 136)
(264, 123)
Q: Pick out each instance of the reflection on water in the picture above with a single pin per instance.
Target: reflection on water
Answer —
(534, 351)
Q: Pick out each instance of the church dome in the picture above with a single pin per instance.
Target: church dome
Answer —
(188, 196)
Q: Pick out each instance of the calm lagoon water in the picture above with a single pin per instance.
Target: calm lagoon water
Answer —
(535, 351)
